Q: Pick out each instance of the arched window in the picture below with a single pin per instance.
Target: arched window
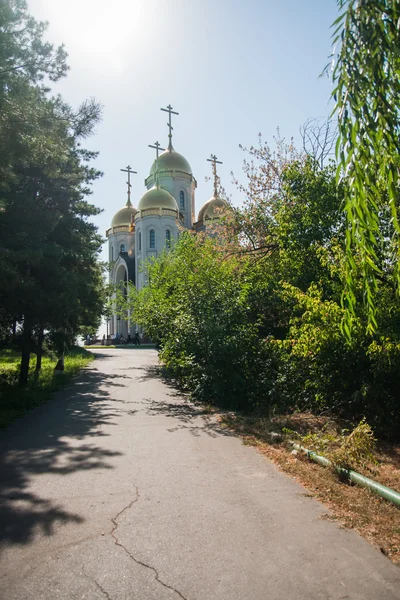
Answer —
(181, 200)
(140, 240)
(152, 238)
(122, 249)
(168, 238)
(112, 252)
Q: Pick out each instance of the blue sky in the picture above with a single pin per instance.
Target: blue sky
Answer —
(230, 68)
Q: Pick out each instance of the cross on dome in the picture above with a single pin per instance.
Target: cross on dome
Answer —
(170, 112)
(157, 148)
(214, 162)
(129, 171)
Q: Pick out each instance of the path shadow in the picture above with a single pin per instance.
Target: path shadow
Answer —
(44, 442)
(193, 417)
(102, 354)
(160, 372)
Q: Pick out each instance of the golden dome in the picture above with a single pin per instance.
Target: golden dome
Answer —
(171, 161)
(124, 216)
(212, 209)
(157, 197)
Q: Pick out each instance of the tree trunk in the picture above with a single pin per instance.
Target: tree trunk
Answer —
(39, 350)
(26, 350)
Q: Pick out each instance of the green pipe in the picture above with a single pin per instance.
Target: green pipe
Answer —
(381, 490)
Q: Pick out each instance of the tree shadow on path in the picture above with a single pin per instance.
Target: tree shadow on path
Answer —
(193, 416)
(50, 440)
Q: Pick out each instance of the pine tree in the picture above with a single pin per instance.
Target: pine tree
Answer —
(51, 277)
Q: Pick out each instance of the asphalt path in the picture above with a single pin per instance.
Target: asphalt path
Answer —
(121, 489)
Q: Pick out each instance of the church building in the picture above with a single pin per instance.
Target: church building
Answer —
(167, 207)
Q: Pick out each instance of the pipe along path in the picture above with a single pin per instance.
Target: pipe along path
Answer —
(383, 491)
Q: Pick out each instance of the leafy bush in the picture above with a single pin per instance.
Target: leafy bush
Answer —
(320, 370)
(345, 450)
(251, 319)
(356, 449)
(196, 306)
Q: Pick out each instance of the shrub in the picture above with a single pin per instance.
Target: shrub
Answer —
(345, 450)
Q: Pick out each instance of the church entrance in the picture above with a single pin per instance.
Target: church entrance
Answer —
(122, 324)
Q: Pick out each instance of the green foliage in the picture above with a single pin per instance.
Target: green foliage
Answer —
(367, 87)
(23, 51)
(251, 319)
(196, 308)
(309, 225)
(51, 277)
(345, 450)
(321, 371)
(356, 449)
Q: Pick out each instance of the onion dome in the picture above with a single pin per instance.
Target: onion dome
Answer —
(157, 197)
(212, 209)
(170, 160)
(124, 216)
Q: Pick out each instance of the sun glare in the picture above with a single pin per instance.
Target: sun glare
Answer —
(99, 27)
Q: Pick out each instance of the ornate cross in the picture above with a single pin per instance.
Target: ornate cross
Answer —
(129, 171)
(157, 148)
(170, 112)
(214, 161)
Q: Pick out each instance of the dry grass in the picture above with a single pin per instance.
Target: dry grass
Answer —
(354, 507)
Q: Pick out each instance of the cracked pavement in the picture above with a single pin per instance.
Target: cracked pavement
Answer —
(120, 489)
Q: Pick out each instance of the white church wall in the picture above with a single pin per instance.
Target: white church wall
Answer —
(117, 240)
(174, 184)
(165, 228)
(118, 274)
(160, 225)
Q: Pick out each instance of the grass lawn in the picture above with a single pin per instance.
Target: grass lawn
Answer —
(15, 400)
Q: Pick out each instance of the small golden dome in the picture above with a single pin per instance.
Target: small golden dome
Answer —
(212, 209)
(171, 161)
(124, 216)
(157, 197)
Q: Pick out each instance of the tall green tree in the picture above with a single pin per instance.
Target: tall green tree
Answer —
(49, 249)
(366, 75)
(27, 64)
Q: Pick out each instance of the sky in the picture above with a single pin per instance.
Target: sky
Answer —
(230, 68)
